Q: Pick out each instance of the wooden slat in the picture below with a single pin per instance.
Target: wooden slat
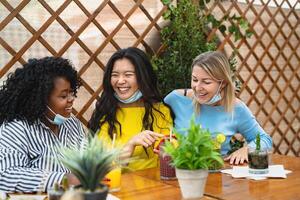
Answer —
(31, 29)
(82, 28)
(260, 82)
(102, 46)
(13, 12)
(69, 31)
(10, 50)
(150, 26)
(86, 12)
(33, 38)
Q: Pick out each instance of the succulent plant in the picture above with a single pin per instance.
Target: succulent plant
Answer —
(90, 163)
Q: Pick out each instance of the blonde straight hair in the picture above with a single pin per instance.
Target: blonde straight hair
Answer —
(216, 64)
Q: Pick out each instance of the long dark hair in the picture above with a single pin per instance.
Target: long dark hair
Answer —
(25, 93)
(107, 104)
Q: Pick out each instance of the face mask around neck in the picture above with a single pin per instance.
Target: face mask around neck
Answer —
(58, 119)
(136, 96)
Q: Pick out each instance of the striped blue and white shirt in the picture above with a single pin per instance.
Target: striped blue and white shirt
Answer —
(29, 152)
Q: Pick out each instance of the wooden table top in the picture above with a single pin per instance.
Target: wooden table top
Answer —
(136, 186)
(146, 185)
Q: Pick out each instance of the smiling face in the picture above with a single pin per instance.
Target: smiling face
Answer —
(204, 86)
(123, 78)
(61, 98)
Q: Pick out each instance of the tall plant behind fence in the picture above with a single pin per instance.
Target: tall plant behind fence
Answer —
(88, 31)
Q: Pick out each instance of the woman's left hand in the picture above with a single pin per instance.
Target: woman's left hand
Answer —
(238, 157)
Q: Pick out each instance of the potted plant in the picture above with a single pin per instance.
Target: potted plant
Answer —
(89, 164)
(258, 158)
(192, 158)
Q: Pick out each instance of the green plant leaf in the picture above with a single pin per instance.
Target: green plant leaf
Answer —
(195, 150)
(185, 37)
(166, 2)
(237, 35)
(222, 28)
(232, 29)
(167, 14)
(244, 24)
(249, 33)
(91, 163)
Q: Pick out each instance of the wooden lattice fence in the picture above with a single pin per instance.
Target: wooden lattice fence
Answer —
(89, 31)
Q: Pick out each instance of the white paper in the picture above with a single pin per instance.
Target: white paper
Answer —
(112, 197)
(275, 171)
(27, 197)
(227, 171)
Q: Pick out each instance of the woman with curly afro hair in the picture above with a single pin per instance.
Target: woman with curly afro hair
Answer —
(35, 116)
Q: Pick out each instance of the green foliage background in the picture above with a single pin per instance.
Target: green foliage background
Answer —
(186, 37)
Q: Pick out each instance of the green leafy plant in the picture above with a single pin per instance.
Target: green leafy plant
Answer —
(90, 163)
(195, 150)
(186, 36)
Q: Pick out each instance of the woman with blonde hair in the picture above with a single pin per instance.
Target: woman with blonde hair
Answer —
(212, 101)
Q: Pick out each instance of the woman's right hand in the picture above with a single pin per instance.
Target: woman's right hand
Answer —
(145, 138)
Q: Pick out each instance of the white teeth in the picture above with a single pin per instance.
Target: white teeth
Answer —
(123, 89)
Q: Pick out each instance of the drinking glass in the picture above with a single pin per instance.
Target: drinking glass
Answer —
(115, 179)
(167, 171)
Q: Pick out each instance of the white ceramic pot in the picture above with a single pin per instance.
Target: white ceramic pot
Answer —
(192, 182)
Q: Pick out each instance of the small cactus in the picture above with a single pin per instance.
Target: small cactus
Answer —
(258, 147)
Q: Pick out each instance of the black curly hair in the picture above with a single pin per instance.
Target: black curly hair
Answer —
(25, 93)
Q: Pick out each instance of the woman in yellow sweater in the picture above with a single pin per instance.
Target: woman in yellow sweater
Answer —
(131, 107)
